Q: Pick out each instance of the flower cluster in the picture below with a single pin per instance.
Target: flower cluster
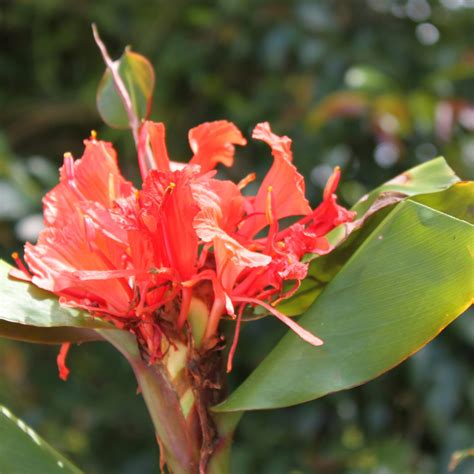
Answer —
(139, 257)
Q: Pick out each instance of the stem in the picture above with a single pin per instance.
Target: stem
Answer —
(178, 446)
(192, 439)
(226, 424)
(119, 85)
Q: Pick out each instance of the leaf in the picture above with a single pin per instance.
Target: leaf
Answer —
(325, 267)
(408, 280)
(31, 314)
(23, 451)
(50, 335)
(457, 201)
(432, 176)
(138, 76)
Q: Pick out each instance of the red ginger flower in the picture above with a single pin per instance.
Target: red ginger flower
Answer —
(137, 258)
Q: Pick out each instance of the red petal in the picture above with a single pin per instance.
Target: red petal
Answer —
(96, 177)
(213, 143)
(168, 212)
(286, 184)
(61, 361)
(152, 152)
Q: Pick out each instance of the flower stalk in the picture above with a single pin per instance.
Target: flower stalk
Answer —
(179, 391)
(179, 449)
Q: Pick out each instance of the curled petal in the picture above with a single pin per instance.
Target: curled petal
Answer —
(95, 177)
(283, 183)
(213, 143)
(152, 152)
(61, 361)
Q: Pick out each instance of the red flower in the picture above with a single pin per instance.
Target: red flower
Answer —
(137, 258)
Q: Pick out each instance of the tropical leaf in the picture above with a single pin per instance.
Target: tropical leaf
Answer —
(430, 177)
(23, 451)
(138, 76)
(427, 180)
(49, 335)
(457, 201)
(403, 285)
(31, 314)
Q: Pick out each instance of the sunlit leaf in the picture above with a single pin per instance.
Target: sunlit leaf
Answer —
(23, 451)
(407, 281)
(31, 314)
(426, 180)
(139, 79)
(457, 201)
(50, 335)
(432, 176)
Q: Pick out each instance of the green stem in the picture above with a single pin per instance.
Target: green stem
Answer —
(226, 424)
(179, 440)
(178, 446)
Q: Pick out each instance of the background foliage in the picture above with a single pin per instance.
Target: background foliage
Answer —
(374, 86)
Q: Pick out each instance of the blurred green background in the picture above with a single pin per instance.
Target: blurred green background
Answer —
(373, 86)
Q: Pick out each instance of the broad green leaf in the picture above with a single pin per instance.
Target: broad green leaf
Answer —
(407, 281)
(22, 451)
(430, 177)
(28, 313)
(325, 267)
(50, 335)
(139, 79)
(457, 201)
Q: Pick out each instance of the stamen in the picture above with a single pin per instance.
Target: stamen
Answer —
(111, 185)
(272, 221)
(293, 325)
(70, 175)
(21, 265)
(69, 166)
(332, 183)
(93, 136)
(245, 181)
(268, 207)
(233, 348)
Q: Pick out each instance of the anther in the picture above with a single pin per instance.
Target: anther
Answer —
(245, 181)
(69, 166)
(93, 135)
(111, 185)
(20, 264)
(269, 207)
